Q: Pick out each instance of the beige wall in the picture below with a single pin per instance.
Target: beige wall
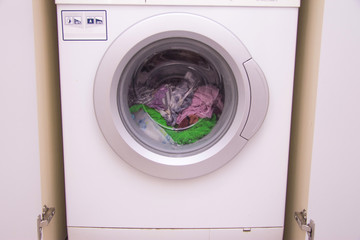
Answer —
(305, 87)
(50, 138)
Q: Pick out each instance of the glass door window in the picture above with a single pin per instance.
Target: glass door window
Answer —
(177, 96)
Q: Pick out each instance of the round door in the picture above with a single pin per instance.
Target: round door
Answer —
(178, 95)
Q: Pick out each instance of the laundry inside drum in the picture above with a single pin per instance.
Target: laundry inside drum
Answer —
(176, 97)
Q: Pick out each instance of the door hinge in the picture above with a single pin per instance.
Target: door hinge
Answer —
(301, 219)
(44, 219)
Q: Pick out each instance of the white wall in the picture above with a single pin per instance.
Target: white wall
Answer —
(20, 201)
(334, 196)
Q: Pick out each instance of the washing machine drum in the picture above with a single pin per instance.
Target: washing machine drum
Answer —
(181, 99)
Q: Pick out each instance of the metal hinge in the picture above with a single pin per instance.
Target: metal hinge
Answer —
(44, 219)
(301, 219)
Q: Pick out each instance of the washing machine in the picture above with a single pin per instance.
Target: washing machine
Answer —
(176, 117)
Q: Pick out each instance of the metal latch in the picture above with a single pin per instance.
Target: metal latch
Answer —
(301, 219)
(44, 219)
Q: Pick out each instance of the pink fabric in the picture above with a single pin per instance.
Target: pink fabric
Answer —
(203, 103)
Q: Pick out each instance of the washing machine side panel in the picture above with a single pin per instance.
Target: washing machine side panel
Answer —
(104, 191)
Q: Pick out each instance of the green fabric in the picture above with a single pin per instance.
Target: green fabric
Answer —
(188, 136)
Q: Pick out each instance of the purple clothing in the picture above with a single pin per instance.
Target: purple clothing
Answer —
(176, 100)
(205, 99)
(170, 99)
(157, 100)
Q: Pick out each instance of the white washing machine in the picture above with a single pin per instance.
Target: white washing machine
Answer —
(176, 117)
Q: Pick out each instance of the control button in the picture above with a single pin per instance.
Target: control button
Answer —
(90, 20)
(68, 20)
(84, 25)
(99, 20)
(77, 20)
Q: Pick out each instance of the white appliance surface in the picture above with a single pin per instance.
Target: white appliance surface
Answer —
(107, 197)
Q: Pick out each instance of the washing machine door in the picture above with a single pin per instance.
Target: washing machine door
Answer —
(178, 95)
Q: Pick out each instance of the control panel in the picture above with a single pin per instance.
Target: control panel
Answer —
(84, 25)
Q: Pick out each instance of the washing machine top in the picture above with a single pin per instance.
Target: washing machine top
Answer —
(251, 3)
